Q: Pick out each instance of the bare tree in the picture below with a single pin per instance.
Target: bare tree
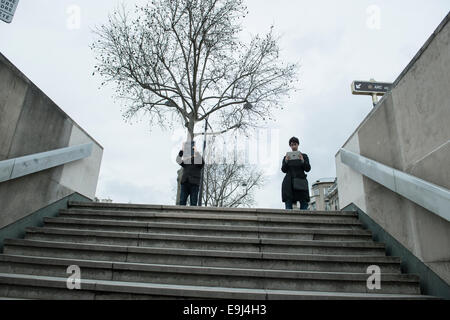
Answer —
(227, 181)
(231, 184)
(182, 61)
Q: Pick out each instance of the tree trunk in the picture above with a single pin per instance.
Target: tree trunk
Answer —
(190, 130)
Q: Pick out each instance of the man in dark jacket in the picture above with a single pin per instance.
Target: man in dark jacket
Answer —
(293, 191)
(190, 180)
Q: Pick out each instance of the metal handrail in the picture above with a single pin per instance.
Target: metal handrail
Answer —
(428, 195)
(22, 166)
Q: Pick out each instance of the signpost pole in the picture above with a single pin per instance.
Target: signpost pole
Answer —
(374, 99)
(374, 95)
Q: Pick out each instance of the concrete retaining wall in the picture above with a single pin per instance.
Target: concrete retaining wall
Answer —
(408, 130)
(31, 123)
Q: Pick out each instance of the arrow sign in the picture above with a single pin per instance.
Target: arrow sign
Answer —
(7, 9)
(370, 87)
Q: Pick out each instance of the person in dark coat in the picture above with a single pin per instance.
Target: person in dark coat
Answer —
(190, 180)
(295, 169)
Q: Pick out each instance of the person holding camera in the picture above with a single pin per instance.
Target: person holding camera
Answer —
(295, 185)
(192, 163)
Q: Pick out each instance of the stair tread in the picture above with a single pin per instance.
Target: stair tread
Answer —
(92, 221)
(198, 252)
(193, 291)
(201, 238)
(275, 218)
(235, 272)
(142, 207)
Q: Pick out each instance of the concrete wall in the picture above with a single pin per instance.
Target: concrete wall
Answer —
(409, 131)
(31, 123)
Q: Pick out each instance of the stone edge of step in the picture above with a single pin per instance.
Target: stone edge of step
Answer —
(200, 252)
(191, 291)
(128, 206)
(202, 270)
(215, 239)
(171, 225)
(206, 216)
(248, 219)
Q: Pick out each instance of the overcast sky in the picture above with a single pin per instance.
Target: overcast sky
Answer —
(335, 42)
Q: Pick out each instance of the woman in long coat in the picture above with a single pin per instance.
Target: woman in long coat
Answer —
(295, 169)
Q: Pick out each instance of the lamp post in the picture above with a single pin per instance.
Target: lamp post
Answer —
(200, 195)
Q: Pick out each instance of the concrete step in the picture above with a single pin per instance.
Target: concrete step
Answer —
(175, 252)
(218, 219)
(287, 214)
(206, 242)
(41, 287)
(209, 258)
(211, 276)
(209, 210)
(210, 229)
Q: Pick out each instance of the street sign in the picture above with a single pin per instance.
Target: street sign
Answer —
(7, 9)
(370, 87)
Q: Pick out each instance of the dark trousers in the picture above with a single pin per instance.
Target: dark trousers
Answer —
(303, 205)
(191, 190)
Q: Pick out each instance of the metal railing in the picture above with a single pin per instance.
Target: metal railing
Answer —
(22, 166)
(428, 195)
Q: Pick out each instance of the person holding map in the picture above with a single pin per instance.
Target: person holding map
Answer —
(295, 185)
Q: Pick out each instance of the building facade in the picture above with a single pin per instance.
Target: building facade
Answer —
(319, 194)
(332, 197)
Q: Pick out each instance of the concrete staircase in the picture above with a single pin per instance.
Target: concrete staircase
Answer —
(129, 251)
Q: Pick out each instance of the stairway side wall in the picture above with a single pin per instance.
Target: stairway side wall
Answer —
(408, 130)
(30, 122)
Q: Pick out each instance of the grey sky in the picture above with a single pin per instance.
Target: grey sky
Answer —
(332, 41)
